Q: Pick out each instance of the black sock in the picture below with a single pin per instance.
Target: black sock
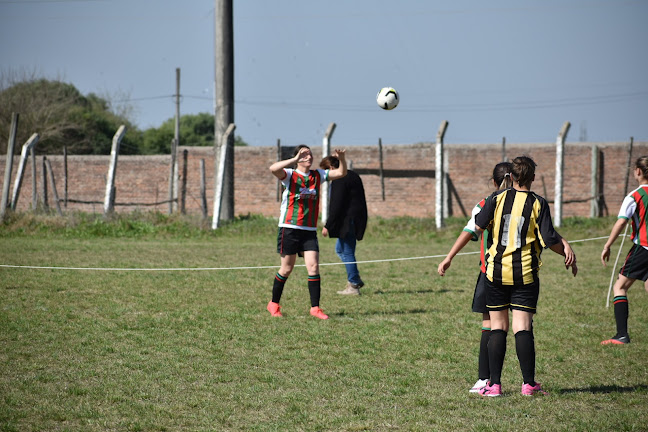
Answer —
(277, 287)
(525, 347)
(484, 369)
(314, 289)
(496, 354)
(621, 313)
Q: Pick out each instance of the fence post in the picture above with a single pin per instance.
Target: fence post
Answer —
(628, 169)
(65, 177)
(34, 181)
(220, 174)
(560, 163)
(172, 174)
(183, 191)
(594, 203)
(203, 190)
(44, 184)
(109, 200)
(504, 149)
(382, 174)
(53, 185)
(326, 150)
(24, 155)
(439, 174)
(9, 164)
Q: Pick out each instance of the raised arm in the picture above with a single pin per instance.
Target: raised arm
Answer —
(277, 168)
(341, 171)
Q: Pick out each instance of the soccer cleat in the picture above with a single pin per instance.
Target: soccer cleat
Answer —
(491, 390)
(480, 384)
(617, 340)
(351, 289)
(274, 309)
(317, 312)
(529, 390)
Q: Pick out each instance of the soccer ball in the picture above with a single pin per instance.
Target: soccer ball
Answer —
(387, 98)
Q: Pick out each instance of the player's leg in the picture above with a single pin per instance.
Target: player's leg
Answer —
(479, 306)
(621, 311)
(311, 259)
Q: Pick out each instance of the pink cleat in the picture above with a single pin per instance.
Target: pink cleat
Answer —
(489, 390)
(529, 390)
(274, 309)
(317, 312)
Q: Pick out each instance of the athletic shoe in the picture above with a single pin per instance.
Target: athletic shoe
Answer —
(480, 384)
(351, 289)
(529, 390)
(318, 313)
(491, 390)
(617, 340)
(274, 309)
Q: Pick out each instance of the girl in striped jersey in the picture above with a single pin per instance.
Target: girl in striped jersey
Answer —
(298, 222)
(501, 180)
(635, 209)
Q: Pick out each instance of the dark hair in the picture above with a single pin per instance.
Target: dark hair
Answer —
(502, 175)
(330, 161)
(523, 170)
(642, 164)
(299, 147)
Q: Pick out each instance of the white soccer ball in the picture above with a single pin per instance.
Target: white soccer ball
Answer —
(387, 98)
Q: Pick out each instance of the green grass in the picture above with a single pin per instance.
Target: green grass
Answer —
(95, 350)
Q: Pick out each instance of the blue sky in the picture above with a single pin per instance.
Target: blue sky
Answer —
(516, 69)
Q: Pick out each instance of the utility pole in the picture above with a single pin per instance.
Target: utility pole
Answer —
(224, 95)
(173, 181)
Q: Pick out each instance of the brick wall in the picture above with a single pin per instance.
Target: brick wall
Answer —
(145, 179)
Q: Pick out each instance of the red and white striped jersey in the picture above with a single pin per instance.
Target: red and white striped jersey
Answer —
(300, 199)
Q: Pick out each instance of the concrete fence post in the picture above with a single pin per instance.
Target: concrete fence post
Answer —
(24, 155)
(220, 176)
(326, 150)
(439, 174)
(109, 199)
(560, 164)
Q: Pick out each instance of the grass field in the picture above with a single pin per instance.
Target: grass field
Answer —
(114, 350)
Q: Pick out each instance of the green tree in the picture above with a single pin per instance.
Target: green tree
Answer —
(62, 116)
(195, 130)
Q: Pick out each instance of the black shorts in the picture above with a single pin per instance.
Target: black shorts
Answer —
(291, 241)
(479, 298)
(636, 263)
(521, 297)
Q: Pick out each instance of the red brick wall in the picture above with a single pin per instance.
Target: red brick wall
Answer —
(144, 179)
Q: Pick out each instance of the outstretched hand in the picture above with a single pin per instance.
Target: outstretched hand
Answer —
(340, 154)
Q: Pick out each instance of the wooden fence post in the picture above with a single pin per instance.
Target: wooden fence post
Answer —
(8, 164)
(560, 163)
(220, 174)
(595, 192)
(504, 158)
(53, 185)
(109, 199)
(382, 173)
(44, 184)
(203, 190)
(65, 176)
(278, 159)
(172, 175)
(439, 174)
(24, 155)
(183, 195)
(326, 150)
(34, 181)
(628, 166)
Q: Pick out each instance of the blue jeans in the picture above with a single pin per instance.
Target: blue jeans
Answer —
(345, 249)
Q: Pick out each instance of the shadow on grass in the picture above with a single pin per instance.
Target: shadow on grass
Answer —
(377, 312)
(606, 389)
(427, 291)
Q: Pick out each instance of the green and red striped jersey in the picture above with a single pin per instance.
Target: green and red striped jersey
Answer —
(635, 208)
(300, 199)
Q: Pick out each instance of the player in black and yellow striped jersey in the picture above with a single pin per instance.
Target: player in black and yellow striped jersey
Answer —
(520, 225)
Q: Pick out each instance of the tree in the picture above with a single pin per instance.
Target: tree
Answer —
(195, 130)
(62, 116)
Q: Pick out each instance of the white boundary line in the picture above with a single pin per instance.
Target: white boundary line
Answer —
(244, 268)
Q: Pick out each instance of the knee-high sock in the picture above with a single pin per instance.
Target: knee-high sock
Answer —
(484, 368)
(314, 288)
(621, 313)
(496, 354)
(278, 286)
(525, 347)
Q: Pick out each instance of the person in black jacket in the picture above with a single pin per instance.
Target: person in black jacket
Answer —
(347, 221)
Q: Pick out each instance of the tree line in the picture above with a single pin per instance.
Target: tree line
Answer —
(86, 124)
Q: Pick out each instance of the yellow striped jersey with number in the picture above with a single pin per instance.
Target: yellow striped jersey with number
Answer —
(520, 226)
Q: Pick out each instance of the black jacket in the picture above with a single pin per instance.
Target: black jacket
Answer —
(347, 202)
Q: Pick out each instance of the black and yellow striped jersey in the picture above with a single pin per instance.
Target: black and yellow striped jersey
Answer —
(521, 228)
